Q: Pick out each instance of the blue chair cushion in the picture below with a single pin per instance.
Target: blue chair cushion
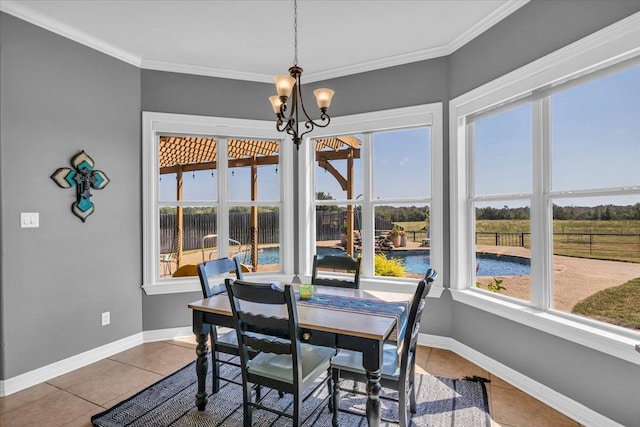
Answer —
(315, 359)
(352, 361)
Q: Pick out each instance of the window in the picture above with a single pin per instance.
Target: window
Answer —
(545, 186)
(209, 195)
(377, 194)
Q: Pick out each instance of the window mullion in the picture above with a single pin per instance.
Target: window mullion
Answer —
(223, 197)
(366, 154)
(541, 221)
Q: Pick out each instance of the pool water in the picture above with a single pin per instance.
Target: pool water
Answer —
(418, 261)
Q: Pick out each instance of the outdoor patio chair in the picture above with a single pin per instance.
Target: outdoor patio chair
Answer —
(284, 363)
(339, 263)
(396, 376)
(226, 343)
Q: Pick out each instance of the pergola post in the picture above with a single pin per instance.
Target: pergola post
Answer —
(350, 185)
(254, 214)
(179, 218)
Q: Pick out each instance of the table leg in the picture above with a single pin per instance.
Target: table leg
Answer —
(373, 401)
(202, 364)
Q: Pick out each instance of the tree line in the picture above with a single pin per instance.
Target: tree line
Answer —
(593, 213)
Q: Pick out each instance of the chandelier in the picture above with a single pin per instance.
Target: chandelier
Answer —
(289, 97)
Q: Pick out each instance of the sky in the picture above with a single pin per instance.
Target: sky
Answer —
(595, 144)
(595, 134)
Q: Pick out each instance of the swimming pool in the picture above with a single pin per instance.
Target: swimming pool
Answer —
(418, 261)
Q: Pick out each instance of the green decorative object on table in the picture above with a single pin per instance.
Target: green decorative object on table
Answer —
(306, 291)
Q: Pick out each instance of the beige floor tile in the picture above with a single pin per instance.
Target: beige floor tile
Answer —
(422, 355)
(499, 382)
(183, 342)
(104, 381)
(514, 408)
(158, 357)
(84, 421)
(54, 409)
(448, 364)
(25, 397)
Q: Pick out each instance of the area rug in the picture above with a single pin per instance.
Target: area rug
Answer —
(171, 402)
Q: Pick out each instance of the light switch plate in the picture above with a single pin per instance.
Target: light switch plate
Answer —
(29, 219)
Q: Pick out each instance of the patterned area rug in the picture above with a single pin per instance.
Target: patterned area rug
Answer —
(171, 402)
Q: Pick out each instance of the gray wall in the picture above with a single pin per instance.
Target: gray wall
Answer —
(59, 98)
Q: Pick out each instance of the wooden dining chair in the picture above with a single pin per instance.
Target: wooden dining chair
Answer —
(226, 343)
(284, 363)
(398, 375)
(343, 264)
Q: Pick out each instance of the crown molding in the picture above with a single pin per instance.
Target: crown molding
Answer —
(498, 15)
(174, 67)
(25, 13)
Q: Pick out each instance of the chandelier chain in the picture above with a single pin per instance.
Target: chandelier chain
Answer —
(295, 32)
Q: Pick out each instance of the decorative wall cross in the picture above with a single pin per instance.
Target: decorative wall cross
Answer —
(84, 178)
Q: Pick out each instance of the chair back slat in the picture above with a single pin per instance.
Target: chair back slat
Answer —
(217, 267)
(268, 345)
(259, 293)
(339, 263)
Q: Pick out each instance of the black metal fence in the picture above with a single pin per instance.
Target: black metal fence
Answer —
(329, 226)
(613, 246)
(196, 226)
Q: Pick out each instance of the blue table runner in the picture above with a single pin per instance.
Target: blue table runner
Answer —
(398, 310)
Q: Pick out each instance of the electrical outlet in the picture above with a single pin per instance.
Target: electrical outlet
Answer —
(106, 318)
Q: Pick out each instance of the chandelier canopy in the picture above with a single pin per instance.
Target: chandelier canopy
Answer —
(288, 104)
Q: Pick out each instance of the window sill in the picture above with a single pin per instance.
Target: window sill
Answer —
(611, 340)
(192, 284)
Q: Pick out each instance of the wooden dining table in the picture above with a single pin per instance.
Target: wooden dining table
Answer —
(339, 328)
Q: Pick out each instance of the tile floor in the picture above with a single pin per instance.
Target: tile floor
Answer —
(70, 400)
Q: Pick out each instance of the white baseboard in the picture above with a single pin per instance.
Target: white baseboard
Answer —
(167, 334)
(37, 376)
(548, 396)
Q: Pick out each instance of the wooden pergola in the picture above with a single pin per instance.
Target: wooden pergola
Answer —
(341, 148)
(183, 154)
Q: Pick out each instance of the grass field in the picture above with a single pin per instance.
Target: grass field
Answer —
(618, 305)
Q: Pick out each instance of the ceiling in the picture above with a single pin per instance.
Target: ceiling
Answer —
(254, 39)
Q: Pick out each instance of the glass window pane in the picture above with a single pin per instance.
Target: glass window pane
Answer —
(253, 170)
(332, 229)
(187, 237)
(254, 237)
(402, 164)
(187, 169)
(401, 240)
(596, 246)
(595, 130)
(503, 163)
(338, 168)
(503, 248)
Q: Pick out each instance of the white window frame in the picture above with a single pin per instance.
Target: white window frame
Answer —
(156, 124)
(599, 51)
(396, 119)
